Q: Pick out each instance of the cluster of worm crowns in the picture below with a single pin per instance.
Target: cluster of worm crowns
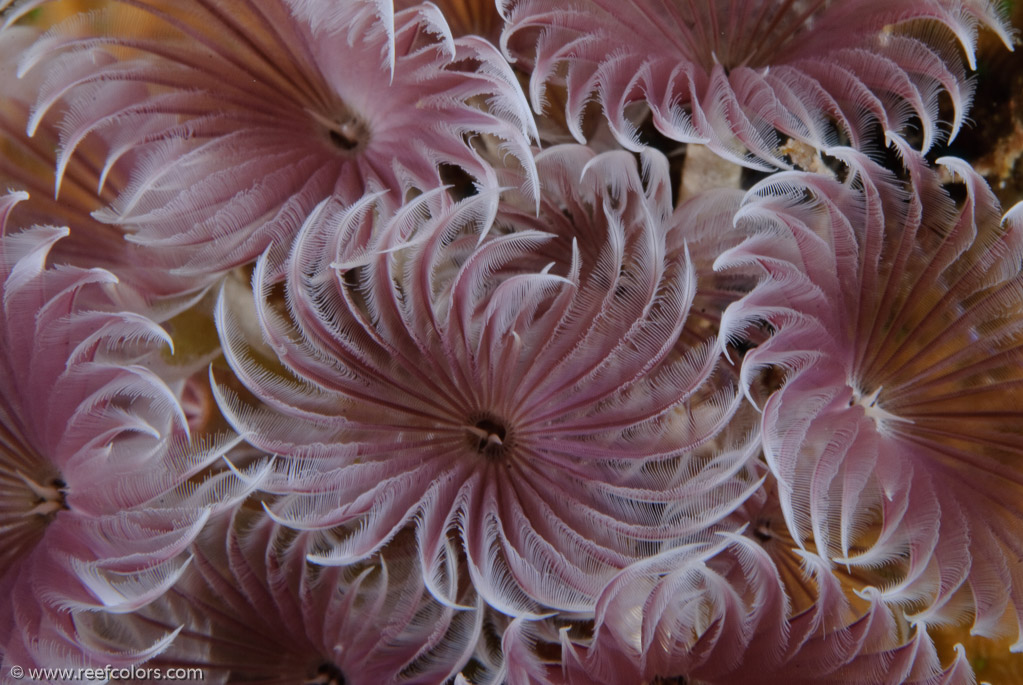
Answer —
(569, 342)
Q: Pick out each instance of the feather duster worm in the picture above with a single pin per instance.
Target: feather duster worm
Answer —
(754, 608)
(446, 376)
(244, 116)
(896, 436)
(734, 75)
(100, 491)
(29, 164)
(251, 608)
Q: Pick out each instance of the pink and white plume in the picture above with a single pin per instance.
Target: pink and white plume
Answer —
(540, 416)
(895, 437)
(243, 116)
(754, 608)
(101, 488)
(740, 76)
(251, 608)
(30, 164)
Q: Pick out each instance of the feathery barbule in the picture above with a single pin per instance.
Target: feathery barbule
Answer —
(741, 76)
(243, 116)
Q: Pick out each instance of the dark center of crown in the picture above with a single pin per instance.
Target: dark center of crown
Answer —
(488, 436)
(344, 138)
(347, 134)
(762, 530)
(49, 496)
(345, 131)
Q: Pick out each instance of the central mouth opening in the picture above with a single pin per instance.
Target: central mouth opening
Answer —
(488, 436)
(871, 402)
(346, 135)
(50, 497)
(345, 131)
